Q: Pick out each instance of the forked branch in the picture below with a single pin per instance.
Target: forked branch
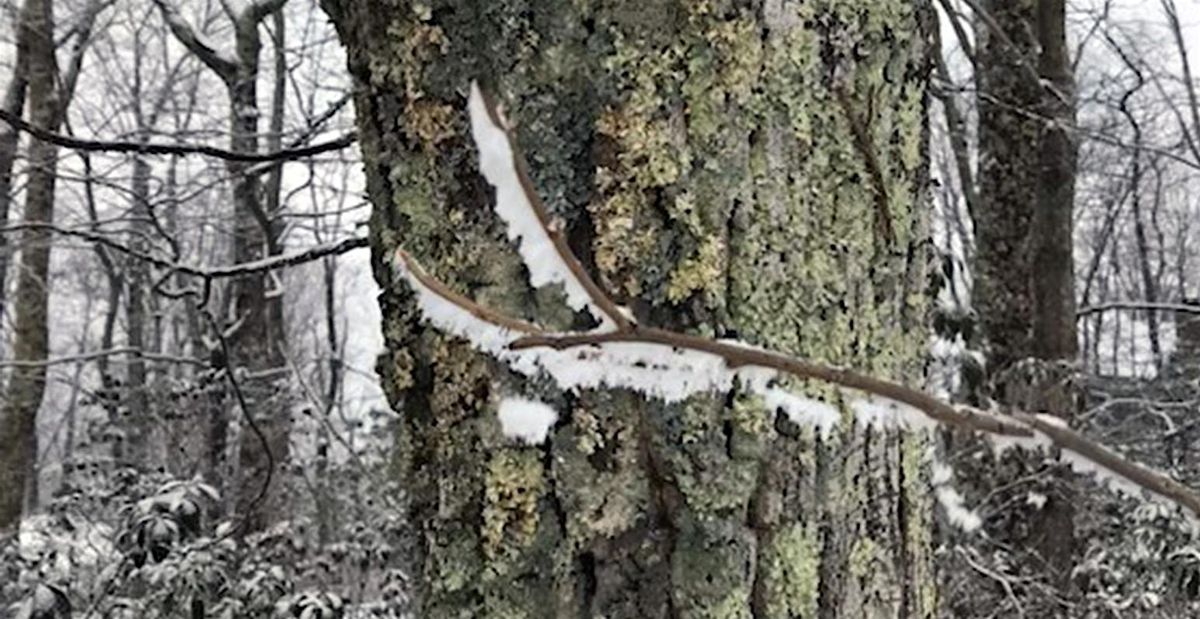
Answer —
(672, 365)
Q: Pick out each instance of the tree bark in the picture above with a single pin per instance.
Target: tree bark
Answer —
(711, 163)
(1024, 270)
(14, 103)
(18, 427)
(1054, 334)
(1008, 160)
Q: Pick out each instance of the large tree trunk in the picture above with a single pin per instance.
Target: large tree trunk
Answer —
(748, 169)
(27, 384)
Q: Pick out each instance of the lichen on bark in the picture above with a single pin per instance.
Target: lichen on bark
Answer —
(706, 173)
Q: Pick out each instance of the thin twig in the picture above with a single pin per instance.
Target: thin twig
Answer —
(236, 270)
(1184, 308)
(148, 148)
(483, 313)
(98, 354)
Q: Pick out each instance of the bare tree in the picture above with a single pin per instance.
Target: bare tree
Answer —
(255, 323)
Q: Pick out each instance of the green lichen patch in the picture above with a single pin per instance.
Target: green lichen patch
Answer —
(791, 575)
(712, 569)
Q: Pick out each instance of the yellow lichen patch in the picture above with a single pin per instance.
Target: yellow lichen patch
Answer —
(620, 244)
(791, 571)
(735, 605)
(422, 43)
(402, 365)
(738, 44)
(430, 122)
(702, 271)
(919, 526)
(863, 556)
(456, 364)
(747, 414)
(588, 436)
(512, 487)
(596, 474)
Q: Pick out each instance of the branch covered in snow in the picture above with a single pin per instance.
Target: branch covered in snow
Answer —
(671, 366)
(541, 243)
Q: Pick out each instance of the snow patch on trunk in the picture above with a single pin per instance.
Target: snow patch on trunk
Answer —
(528, 421)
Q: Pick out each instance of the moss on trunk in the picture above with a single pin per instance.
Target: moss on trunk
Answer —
(706, 171)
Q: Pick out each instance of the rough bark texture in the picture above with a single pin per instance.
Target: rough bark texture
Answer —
(700, 158)
(18, 430)
(1024, 277)
(1008, 163)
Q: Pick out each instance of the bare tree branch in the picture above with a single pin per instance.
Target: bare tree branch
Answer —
(143, 148)
(269, 263)
(1136, 306)
(1189, 85)
(223, 65)
(98, 354)
(1032, 429)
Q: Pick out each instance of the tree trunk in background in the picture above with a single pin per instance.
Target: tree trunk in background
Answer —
(18, 417)
(1054, 334)
(14, 103)
(139, 421)
(1008, 164)
(257, 342)
(1024, 272)
(705, 169)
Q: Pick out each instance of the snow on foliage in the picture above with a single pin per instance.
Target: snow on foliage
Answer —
(951, 501)
(63, 544)
(528, 421)
(496, 162)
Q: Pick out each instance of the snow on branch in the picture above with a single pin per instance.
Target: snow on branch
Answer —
(671, 366)
(541, 243)
(951, 501)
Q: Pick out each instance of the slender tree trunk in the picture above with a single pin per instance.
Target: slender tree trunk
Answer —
(139, 423)
(14, 104)
(711, 162)
(1008, 160)
(259, 342)
(27, 384)
(1054, 333)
